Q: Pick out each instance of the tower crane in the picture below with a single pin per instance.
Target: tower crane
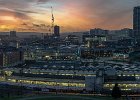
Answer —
(52, 26)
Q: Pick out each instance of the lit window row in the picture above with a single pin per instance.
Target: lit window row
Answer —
(49, 83)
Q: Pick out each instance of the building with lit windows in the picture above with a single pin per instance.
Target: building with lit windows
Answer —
(96, 52)
(92, 78)
(128, 81)
(51, 53)
(72, 40)
(49, 78)
(93, 40)
(10, 56)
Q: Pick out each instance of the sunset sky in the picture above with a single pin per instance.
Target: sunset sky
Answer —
(71, 15)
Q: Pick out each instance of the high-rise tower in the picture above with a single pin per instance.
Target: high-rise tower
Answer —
(136, 22)
(56, 31)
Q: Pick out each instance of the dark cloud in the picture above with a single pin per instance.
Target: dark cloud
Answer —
(43, 0)
(41, 25)
(21, 16)
(100, 13)
(14, 4)
(36, 25)
(24, 24)
(18, 15)
(107, 13)
(27, 11)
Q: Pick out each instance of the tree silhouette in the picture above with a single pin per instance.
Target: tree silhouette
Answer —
(116, 92)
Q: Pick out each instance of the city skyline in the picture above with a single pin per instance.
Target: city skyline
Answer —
(35, 15)
(73, 49)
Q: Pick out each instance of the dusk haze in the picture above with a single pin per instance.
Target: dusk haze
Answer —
(72, 15)
(69, 49)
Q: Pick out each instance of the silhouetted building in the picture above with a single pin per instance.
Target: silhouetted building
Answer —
(98, 31)
(56, 30)
(72, 39)
(136, 22)
(120, 34)
(10, 56)
(126, 42)
(96, 52)
(12, 33)
(93, 40)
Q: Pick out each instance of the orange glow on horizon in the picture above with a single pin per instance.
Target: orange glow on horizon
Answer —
(77, 15)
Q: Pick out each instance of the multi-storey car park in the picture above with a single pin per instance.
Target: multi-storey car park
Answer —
(92, 78)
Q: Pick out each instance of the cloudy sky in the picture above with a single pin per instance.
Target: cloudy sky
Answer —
(71, 15)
